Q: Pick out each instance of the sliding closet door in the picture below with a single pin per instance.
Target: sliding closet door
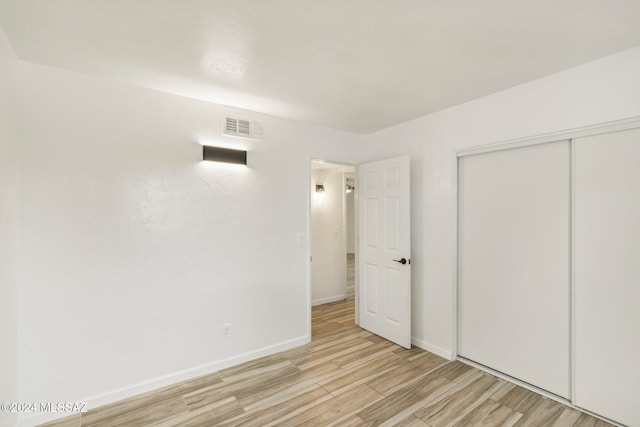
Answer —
(514, 263)
(607, 275)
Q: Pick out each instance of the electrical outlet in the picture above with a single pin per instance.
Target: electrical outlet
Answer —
(226, 328)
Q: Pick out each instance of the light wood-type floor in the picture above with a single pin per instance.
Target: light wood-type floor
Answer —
(345, 377)
(351, 275)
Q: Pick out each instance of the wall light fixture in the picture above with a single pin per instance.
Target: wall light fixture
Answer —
(349, 185)
(225, 155)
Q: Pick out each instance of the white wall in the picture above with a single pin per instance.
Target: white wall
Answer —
(134, 252)
(600, 91)
(9, 190)
(328, 245)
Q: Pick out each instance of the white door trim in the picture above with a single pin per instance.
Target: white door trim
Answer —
(606, 127)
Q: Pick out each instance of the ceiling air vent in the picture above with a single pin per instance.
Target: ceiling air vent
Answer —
(242, 128)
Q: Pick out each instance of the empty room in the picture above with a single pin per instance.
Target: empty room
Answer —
(319, 213)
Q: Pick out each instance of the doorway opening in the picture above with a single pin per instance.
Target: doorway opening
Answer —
(332, 232)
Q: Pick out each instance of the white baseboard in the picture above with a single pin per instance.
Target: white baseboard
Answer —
(327, 300)
(165, 380)
(447, 354)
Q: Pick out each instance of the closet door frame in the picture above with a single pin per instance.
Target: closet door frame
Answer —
(569, 134)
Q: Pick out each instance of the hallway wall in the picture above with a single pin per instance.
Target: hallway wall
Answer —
(328, 245)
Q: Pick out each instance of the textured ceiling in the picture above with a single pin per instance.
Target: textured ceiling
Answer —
(358, 65)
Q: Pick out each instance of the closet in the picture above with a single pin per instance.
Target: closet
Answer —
(549, 268)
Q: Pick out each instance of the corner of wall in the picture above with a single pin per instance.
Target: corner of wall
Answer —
(6, 48)
(9, 217)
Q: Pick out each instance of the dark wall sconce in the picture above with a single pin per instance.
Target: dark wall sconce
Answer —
(225, 155)
(319, 188)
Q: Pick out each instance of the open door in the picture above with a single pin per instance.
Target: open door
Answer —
(384, 255)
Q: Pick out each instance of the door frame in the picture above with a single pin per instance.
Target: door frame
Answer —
(567, 134)
(356, 285)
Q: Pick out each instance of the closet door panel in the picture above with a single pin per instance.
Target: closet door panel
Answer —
(607, 275)
(514, 263)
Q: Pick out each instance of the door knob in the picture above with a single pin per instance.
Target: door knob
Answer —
(402, 261)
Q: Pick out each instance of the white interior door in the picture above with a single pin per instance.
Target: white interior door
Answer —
(514, 263)
(384, 256)
(607, 275)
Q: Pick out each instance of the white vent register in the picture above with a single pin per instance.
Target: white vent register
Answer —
(242, 128)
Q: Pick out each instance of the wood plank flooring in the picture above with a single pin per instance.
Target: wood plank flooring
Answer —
(351, 275)
(345, 377)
